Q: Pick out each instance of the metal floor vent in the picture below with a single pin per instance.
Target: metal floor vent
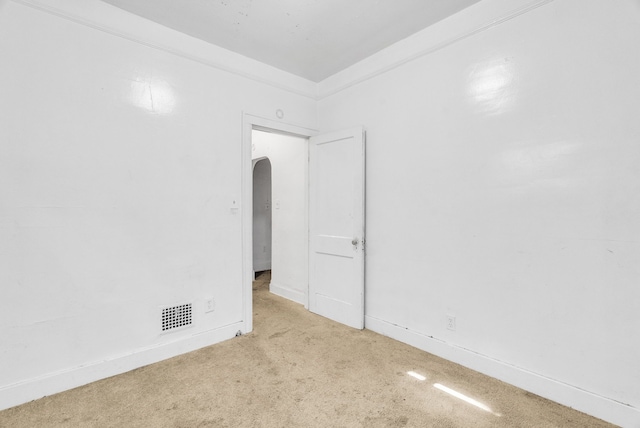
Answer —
(177, 316)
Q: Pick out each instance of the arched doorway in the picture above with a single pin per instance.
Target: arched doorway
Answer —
(262, 217)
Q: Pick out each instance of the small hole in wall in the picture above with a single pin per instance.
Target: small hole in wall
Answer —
(279, 114)
(177, 316)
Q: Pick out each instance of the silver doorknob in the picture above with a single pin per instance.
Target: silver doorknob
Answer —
(354, 241)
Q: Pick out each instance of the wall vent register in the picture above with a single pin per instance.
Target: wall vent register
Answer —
(177, 316)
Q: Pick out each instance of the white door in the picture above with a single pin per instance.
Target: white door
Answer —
(336, 226)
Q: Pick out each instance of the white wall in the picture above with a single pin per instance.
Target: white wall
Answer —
(262, 215)
(502, 182)
(121, 162)
(289, 263)
(503, 163)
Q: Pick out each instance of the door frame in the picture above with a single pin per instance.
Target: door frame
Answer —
(249, 123)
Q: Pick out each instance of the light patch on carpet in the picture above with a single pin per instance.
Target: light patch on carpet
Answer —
(416, 375)
(464, 398)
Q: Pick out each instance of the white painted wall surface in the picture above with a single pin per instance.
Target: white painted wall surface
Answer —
(502, 187)
(262, 206)
(121, 159)
(289, 262)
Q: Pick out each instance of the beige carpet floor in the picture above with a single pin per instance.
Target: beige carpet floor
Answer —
(296, 369)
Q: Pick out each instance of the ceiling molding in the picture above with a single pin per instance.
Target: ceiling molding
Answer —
(309, 38)
(90, 14)
(396, 55)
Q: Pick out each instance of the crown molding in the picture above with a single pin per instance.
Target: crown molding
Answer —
(116, 22)
(467, 23)
(111, 20)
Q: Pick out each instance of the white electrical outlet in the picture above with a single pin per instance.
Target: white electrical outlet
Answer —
(451, 322)
(210, 305)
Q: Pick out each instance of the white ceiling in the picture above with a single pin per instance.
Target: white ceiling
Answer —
(310, 38)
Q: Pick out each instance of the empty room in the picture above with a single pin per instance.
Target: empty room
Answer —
(449, 194)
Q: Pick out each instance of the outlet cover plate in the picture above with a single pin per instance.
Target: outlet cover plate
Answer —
(451, 322)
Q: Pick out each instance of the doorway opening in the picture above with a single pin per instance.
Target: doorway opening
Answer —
(318, 239)
(284, 148)
(280, 194)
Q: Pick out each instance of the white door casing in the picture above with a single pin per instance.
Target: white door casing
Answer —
(249, 123)
(337, 226)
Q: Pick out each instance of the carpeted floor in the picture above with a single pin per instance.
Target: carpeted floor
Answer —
(296, 370)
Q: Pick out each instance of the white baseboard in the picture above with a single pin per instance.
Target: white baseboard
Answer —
(568, 395)
(287, 292)
(261, 266)
(52, 383)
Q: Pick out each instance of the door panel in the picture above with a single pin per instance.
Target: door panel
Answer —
(336, 226)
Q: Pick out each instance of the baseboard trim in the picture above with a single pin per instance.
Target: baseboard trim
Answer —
(565, 394)
(261, 267)
(53, 383)
(287, 292)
